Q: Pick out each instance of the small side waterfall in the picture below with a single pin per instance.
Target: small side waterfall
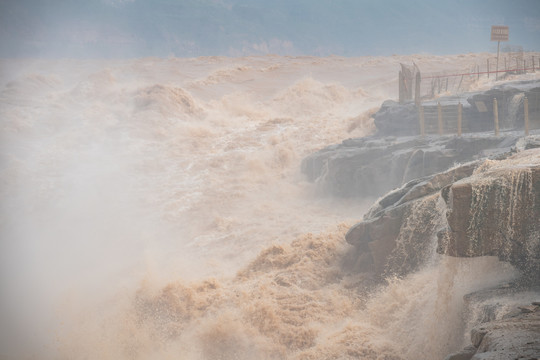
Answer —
(495, 213)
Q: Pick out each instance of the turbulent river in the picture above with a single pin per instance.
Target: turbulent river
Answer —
(155, 209)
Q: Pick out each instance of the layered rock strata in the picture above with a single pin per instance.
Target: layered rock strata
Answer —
(508, 329)
(372, 166)
(496, 212)
(481, 208)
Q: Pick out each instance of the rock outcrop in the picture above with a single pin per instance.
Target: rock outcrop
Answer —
(496, 212)
(397, 231)
(508, 328)
(481, 208)
(395, 119)
(489, 205)
(372, 166)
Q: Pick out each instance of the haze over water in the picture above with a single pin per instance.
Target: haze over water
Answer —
(125, 181)
(153, 208)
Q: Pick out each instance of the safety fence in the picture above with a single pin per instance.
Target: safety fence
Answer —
(417, 86)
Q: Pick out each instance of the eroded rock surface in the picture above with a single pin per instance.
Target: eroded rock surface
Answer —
(372, 166)
(481, 208)
(397, 232)
(496, 212)
(506, 324)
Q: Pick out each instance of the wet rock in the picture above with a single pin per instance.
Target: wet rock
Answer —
(528, 308)
(507, 332)
(496, 212)
(511, 338)
(510, 97)
(370, 167)
(397, 229)
(465, 354)
(477, 335)
(394, 118)
(480, 208)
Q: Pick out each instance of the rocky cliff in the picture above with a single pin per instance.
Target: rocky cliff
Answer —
(373, 166)
(471, 196)
(460, 197)
(496, 212)
(502, 330)
(481, 208)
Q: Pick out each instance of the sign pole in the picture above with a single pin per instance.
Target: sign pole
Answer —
(498, 33)
(497, 67)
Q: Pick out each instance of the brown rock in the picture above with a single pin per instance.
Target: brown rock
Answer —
(465, 354)
(397, 229)
(528, 308)
(496, 212)
(511, 338)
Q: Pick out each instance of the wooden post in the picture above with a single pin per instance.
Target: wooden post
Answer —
(478, 71)
(417, 89)
(459, 118)
(534, 65)
(496, 116)
(526, 110)
(422, 124)
(505, 67)
(488, 68)
(439, 118)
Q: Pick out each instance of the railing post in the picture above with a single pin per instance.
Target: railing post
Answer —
(439, 118)
(422, 124)
(534, 65)
(526, 110)
(488, 68)
(496, 116)
(459, 118)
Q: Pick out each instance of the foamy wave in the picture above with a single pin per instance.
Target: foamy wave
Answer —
(308, 96)
(167, 101)
(230, 74)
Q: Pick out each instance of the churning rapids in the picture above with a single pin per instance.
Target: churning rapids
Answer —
(154, 209)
